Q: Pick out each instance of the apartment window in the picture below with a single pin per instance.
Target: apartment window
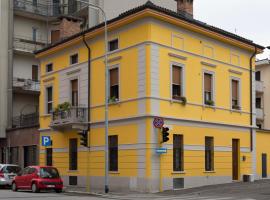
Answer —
(34, 30)
(235, 95)
(114, 84)
(74, 92)
(34, 72)
(49, 156)
(113, 153)
(14, 155)
(258, 76)
(209, 154)
(30, 155)
(259, 126)
(49, 102)
(208, 89)
(49, 67)
(178, 153)
(35, 3)
(74, 59)
(258, 102)
(113, 45)
(73, 154)
(177, 82)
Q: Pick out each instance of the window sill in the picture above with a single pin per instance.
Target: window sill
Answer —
(236, 110)
(114, 103)
(177, 101)
(209, 106)
(72, 171)
(114, 172)
(209, 172)
(45, 115)
(71, 65)
(176, 172)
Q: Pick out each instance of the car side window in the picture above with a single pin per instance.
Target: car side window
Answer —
(31, 171)
(25, 171)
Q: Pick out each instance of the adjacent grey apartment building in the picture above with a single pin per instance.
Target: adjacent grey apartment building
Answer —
(26, 26)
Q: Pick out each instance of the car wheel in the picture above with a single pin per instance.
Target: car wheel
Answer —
(14, 187)
(35, 188)
(58, 190)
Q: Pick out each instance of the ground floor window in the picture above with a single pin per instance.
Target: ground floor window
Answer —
(2, 155)
(209, 154)
(49, 156)
(14, 155)
(113, 153)
(178, 153)
(30, 155)
(73, 154)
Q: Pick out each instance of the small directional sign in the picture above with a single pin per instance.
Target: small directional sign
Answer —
(46, 141)
(158, 122)
(161, 150)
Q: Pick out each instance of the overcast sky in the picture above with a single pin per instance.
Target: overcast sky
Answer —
(248, 18)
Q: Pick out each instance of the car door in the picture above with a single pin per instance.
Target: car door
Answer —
(30, 176)
(20, 179)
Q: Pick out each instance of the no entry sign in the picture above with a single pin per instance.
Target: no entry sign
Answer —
(158, 122)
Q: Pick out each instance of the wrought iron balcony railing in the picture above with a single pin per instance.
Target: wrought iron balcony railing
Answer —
(75, 117)
(27, 120)
(49, 10)
(26, 84)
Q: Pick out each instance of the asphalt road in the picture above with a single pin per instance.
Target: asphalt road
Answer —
(260, 190)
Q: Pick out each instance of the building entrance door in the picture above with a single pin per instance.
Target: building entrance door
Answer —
(235, 159)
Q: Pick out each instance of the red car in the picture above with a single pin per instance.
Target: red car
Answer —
(38, 178)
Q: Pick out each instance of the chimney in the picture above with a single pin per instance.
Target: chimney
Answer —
(185, 7)
(65, 26)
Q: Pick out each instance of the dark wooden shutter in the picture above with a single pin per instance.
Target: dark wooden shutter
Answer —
(207, 82)
(113, 153)
(234, 89)
(55, 36)
(114, 77)
(73, 154)
(178, 153)
(177, 75)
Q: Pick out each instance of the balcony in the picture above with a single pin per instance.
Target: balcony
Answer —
(22, 85)
(259, 113)
(259, 86)
(28, 120)
(73, 118)
(27, 44)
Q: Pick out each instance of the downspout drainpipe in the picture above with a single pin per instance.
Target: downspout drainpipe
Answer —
(89, 82)
(89, 113)
(251, 98)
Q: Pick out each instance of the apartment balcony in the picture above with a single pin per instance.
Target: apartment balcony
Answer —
(259, 113)
(27, 45)
(21, 85)
(259, 86)
(73, 118)
(28, 120)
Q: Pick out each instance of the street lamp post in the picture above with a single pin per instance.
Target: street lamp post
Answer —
(106, 90)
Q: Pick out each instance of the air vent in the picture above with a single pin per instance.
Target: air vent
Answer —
(73, 180)
(178, 183)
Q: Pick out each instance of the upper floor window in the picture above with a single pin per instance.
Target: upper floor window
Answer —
(114, 84)
(34, 34)
(55, 36)
(208, 89)
(258, 75)
(177, 82)
(235, 94)
(74, 59)
(35, 3)
(49, 67)
(49, 99)
(74, 92)
(35, 72)
(113, 45)
(258, 102)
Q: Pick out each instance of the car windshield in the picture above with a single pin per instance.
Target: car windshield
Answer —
(11, 169)
(49, 173)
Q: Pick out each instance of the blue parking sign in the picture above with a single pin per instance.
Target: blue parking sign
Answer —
(46, 141)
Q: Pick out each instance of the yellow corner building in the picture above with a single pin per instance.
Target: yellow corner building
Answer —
(195, 77)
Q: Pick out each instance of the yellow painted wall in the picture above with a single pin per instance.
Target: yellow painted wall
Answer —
(262, 147)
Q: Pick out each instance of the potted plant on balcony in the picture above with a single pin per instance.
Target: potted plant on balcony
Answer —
(180, 98)
(113, 99)
(209, 102)
(236, 107)
(63, 109)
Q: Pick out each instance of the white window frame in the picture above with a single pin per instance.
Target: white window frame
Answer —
(46, 98)
(183, 78)
(119, 82)
(73, 54)
(70, 89)
(112, 39)
(205, 71)
(46, 67)
(239, 92)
